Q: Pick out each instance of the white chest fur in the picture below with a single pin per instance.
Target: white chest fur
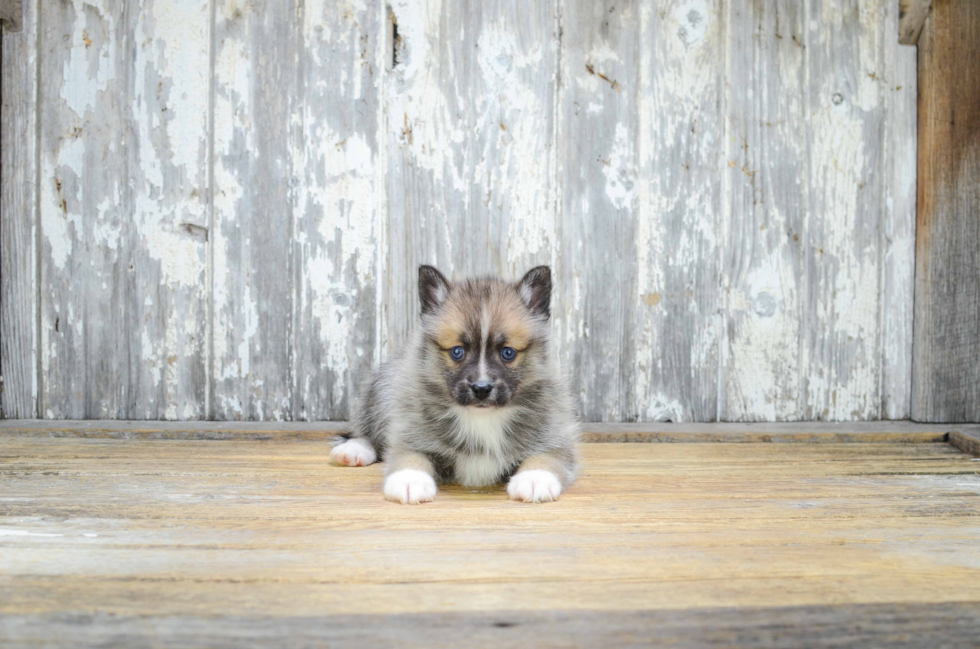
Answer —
(487, 429)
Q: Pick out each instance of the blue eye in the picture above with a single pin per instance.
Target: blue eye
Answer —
(457, 353)
(508, 354)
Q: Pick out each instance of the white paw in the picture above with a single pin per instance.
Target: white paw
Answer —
(353, 452)
(534, 486)
(410, 487)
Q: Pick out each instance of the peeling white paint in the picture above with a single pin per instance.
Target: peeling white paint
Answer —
(618, 170)
(483, 143)
(89, 68)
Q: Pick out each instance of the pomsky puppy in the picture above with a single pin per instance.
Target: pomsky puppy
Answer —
(476, 398)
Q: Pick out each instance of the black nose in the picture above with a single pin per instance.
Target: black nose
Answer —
(481, 390)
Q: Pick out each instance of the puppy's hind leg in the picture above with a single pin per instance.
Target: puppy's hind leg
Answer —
(355, 451)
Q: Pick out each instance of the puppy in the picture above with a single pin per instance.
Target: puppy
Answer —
(476, 398)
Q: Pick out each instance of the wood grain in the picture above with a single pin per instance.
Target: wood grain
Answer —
(898, 89)
(766, 174)
(804, 337)
(912, 17)
(681, 144)
(966, 439)
(898, 625)
(946, 376)
(325, 431)
(844, 239)
(123, 207)
(338, 205)
(471, 158)
(269, 533)
(235, 195)
(255, 96)
(18, 219)
(597, 131)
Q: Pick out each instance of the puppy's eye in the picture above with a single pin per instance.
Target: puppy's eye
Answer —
(457, 353)
(508, 354)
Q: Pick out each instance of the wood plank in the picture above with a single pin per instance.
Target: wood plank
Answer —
(254, 130)
(847, 94)
(807, 433)
(123, 209)
(180, 530)
(946, 374)
(766, 178)
(323, 431)
(338, 205)
(897, 239)
(680, 147)
(966, 439)
(471, 156)
(797, 432)
(897, 625)
(792, 344)
(18, 219)
(639, 136)
(912, 17)
(597, 134)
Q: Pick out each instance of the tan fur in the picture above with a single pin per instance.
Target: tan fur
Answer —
(507, 317)
(410, 460)
(450, 326)
(511, 320)
(544, 462)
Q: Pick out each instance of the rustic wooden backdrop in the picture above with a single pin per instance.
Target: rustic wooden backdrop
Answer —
(216, 209)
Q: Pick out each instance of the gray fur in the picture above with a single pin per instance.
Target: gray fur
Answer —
(413, 402)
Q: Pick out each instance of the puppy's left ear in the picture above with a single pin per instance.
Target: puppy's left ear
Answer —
(535, 291)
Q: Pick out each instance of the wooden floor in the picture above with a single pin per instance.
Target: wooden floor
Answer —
(233, 543)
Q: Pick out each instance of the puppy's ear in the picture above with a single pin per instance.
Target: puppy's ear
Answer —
(433, 288)
(535, 291)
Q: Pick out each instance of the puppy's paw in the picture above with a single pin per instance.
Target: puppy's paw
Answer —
(354, 452)
(410, 487)
(534, 486)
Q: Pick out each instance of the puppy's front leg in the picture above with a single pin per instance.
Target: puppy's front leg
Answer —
(541, 478)
(410, 478)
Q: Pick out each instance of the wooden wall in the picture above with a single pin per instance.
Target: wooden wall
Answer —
(946, 383)
(946, 380)
(216, 209)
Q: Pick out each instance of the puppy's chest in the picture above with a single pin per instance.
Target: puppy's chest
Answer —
(486, 456)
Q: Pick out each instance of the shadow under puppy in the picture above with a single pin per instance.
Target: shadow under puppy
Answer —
(476, 397)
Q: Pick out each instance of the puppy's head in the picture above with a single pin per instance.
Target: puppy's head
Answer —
(485, 337)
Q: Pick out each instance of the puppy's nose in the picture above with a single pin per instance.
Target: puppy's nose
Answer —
(481, 390)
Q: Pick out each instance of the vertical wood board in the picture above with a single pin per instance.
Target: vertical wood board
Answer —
(677, 299)
(820, 230)
(946, 370)
(766, 174)
(597, 131)
(123, 187)
(470, 116)
(897, 239)
(842, 241)
(18, 219)
(338, 203)
(255, 80)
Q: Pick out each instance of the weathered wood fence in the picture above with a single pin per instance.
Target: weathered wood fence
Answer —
(216, 209)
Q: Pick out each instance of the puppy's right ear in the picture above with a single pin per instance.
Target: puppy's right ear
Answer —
(433, 288)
